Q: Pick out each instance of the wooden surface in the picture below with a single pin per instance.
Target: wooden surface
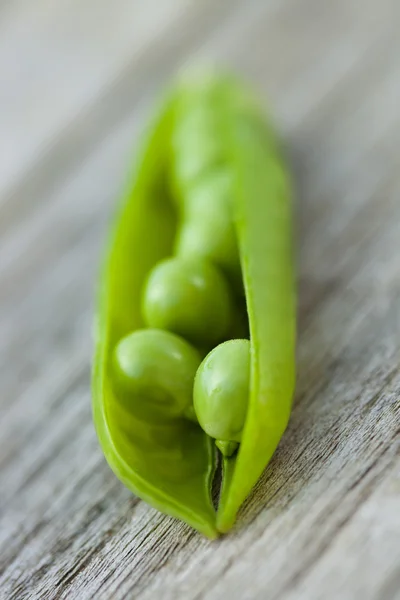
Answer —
(77, 79)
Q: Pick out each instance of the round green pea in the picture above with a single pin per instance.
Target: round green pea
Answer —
(153, 372)
(221, 392)
(197, 137)
(189, 297)
(207, 229)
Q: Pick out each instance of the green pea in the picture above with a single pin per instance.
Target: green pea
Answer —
(197, 140)
(189, 297)
(207, 229)
(221, 392)
(154, 372)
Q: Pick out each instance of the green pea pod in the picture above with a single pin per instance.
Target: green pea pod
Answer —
(210, 191)
(263, 220)
(168, 464)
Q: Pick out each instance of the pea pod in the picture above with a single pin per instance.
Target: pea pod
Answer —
(169, 463)
(263, 220)
(206, 216)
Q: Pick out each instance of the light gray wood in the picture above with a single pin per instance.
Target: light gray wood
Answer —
(77, 80)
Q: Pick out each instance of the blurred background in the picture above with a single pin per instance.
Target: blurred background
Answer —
(78, 80)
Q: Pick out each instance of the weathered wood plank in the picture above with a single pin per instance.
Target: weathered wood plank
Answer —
(324, 521)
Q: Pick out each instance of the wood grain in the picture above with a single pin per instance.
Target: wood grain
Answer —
(77, 81)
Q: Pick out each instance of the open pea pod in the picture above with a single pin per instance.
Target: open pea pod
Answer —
(167, 462)
(263, 221)
(201, 254)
